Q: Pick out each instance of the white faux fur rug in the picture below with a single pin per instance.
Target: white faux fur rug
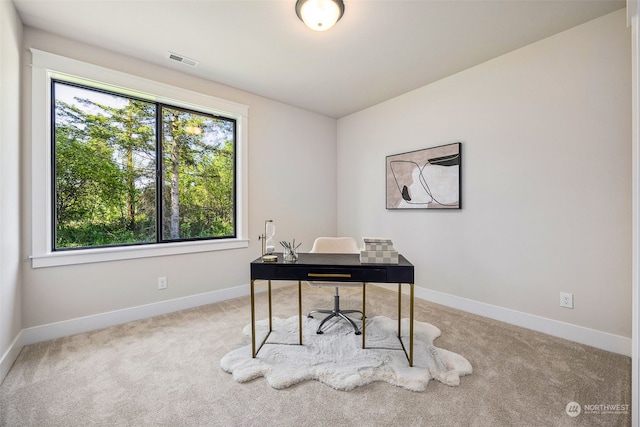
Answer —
(336, 358)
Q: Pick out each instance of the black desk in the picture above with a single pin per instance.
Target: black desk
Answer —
(332, 268)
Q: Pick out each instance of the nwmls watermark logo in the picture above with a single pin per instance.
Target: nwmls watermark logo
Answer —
(606, 409)
(573, 409)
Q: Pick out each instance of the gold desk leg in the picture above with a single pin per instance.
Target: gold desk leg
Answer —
(411, 329)
(400, 311)
(255, 350)
(411, 294)
(364, 313)
(270, 316)
(300, 310)
(253, 321)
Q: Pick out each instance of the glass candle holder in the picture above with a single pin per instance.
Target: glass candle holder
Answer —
(290, 255)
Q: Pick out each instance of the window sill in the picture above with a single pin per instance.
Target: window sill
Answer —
(86, 256)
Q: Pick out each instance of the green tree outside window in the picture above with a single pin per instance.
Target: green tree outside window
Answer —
(129, 171)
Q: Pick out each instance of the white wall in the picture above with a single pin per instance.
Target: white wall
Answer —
(10, 292)
(546, 134)
(292, 180)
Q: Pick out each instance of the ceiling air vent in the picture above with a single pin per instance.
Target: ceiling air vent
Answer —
(182, 59)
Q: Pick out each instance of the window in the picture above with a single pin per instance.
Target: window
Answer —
(124, 167)
(130, 171)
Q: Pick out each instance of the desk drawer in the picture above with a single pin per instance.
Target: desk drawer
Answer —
(331, 274)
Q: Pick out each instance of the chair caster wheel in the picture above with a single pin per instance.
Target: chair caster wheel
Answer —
(309, 317)
(359, 333)
(319, 332)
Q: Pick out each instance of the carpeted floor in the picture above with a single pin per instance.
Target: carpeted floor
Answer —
(165, 371)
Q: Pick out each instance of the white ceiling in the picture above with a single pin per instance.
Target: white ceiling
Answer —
(378, 50)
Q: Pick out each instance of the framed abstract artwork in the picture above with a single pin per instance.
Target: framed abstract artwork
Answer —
(425, 179)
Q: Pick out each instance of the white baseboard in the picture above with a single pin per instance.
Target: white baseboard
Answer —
(10, 356)
(602, 340)
(111, 318)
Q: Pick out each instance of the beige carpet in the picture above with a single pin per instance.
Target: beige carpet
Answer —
(166, 371)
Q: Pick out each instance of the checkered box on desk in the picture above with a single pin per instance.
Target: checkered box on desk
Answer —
(379, 257)
(377, 245)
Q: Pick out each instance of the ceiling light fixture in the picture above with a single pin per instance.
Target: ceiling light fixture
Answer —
(319, 15)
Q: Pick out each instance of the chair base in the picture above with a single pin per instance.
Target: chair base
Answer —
(336, 312)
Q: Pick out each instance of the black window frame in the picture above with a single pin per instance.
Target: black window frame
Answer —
(158, 168)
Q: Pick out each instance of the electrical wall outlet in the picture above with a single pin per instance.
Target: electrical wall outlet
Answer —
(162, 283)
(566, 300)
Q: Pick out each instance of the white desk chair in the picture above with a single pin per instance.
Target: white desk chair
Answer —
(336, 245)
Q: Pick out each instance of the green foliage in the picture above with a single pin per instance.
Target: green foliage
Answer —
(105, 173)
